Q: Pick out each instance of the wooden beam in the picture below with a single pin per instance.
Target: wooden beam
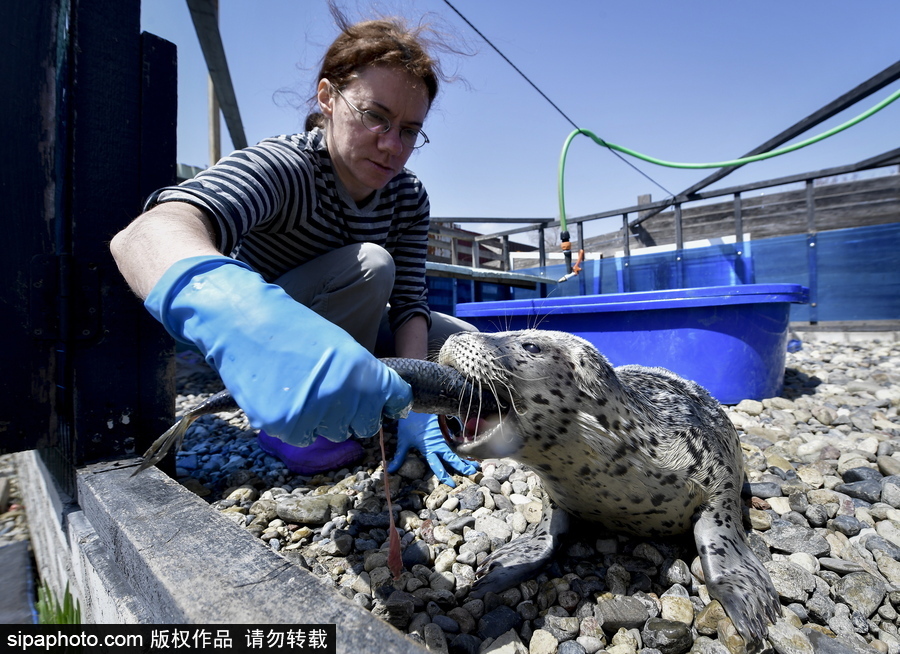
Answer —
(521, 280)
(206, 23)
(472, 219)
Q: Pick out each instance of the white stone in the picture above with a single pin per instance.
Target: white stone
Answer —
(780, 505)
(806, 561)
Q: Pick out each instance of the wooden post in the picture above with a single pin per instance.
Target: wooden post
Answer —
(32, 194)
(215, 124)
(156, 349)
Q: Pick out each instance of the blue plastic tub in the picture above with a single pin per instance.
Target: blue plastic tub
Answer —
(730, 339)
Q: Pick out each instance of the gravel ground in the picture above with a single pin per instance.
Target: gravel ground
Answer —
(823, 461)
(825, 520)
(13, 521)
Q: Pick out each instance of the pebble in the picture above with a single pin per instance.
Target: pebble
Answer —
(498, 622)
(13, 514)
(823, 459)
(668, 636)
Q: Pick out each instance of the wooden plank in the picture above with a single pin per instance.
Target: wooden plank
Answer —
(450, 231)
(473, 219)
(466, 250)
(206, 24)
(189, 564)
(521, 280)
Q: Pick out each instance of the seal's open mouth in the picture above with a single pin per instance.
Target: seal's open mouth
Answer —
(473, 430)
(475, 427)
(479, 427)
(487, 436)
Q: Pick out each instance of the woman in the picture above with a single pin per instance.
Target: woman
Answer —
(324, 230)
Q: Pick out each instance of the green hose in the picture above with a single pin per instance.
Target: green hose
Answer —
(719, 164)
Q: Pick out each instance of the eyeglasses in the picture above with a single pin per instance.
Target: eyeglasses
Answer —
(374, 122)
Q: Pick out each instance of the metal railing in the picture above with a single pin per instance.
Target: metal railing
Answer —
(635, 215)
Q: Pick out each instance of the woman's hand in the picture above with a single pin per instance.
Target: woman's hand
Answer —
(295, 374)
(422, 431)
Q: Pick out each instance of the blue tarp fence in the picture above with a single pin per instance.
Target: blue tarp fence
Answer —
(852, 274)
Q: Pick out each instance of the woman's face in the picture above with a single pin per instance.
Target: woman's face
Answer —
(366, 161)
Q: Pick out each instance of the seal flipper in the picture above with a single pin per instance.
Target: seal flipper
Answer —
(518, 560)
(733, 573)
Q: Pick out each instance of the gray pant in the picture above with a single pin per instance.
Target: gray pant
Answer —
(351, 287)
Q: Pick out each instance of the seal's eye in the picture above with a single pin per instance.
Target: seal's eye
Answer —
(531, 347)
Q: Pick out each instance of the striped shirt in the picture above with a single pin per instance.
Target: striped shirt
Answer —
(279, 204)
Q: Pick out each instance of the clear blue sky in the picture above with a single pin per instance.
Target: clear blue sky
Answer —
(697, 80)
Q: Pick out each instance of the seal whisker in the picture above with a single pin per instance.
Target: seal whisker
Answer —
(471, 398)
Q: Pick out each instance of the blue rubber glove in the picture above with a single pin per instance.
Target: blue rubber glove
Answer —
(295, 374)
(422, 431)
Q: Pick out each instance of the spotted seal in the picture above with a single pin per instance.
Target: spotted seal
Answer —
(635, 449)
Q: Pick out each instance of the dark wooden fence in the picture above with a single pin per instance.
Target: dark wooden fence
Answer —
(88, 130)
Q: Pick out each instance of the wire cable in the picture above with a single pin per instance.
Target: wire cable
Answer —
(545, 96)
